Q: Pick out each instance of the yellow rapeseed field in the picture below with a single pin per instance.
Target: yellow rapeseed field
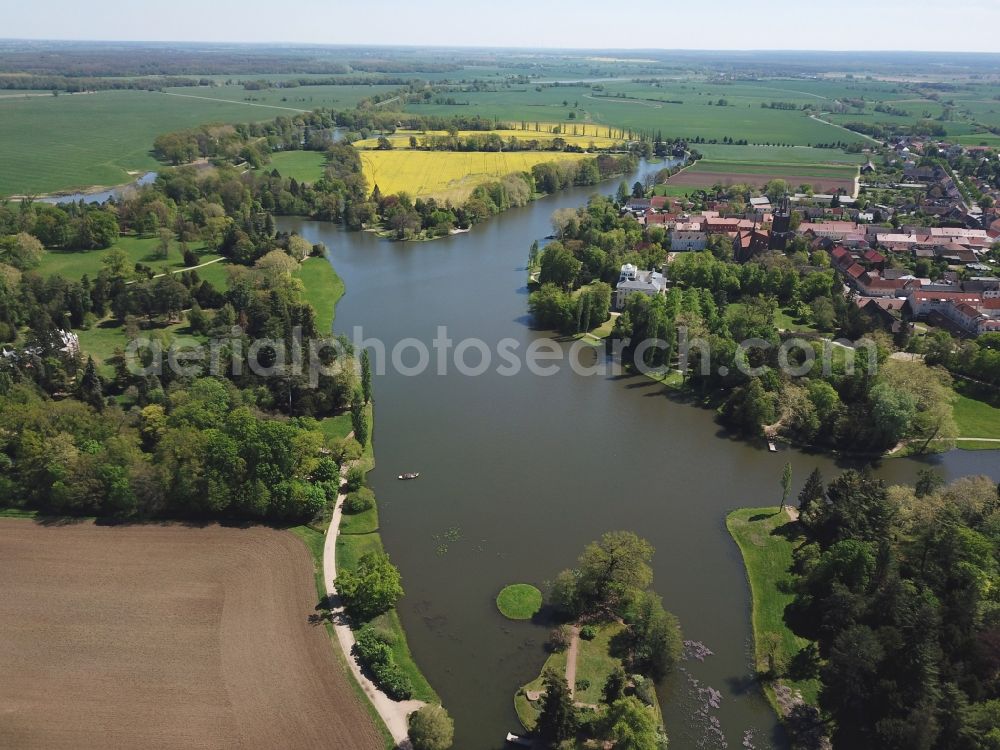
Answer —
(447, 174)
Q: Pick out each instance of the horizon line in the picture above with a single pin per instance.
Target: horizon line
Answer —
(513, 48)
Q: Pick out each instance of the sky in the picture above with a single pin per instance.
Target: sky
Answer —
(921, 25)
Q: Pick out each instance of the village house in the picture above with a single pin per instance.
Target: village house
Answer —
(688, 236)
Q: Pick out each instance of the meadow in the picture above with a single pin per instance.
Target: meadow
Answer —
(304, 166)
(447, 174)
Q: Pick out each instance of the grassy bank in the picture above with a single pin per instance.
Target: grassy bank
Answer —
(323, 289)
(354, 542)
(766, 539)
(975, 419)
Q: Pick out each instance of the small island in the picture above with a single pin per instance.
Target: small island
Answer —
(613, 644)
(519, 601)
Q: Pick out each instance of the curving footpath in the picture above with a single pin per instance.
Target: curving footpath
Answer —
(393, 713)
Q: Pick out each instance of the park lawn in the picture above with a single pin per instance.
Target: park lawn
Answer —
(975, 419)
(102, 339)
(359, 523)
(783, 318)
(74, 264)
(527, 711)
(448, 174)
(338, 427)
(767, 555)
(302, 166)
(595, 663)
(323, 289)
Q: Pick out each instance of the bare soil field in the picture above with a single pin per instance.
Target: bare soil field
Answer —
(167, 637)
(695, 179)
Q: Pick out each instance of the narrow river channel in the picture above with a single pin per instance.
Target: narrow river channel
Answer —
(518, 473)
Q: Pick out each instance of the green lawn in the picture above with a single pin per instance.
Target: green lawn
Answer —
(74, 264)
(528, 711)
(101, 341)
(594, 662)
(338, 427)
(359, 523)
(767, 555)
(976, 419)
(303, 166)
(323, 288)
(519, 601)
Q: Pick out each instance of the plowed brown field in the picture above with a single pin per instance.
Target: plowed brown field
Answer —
(167, 637)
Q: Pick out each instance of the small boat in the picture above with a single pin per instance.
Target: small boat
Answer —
(770, 446)
(515, 740)
(410, 475)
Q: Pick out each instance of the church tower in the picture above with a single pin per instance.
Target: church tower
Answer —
(781, 225)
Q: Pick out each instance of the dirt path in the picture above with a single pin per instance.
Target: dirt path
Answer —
(574, 648)
(231, 101)
(393, 713)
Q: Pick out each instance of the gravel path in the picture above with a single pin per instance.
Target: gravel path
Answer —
(393, 713)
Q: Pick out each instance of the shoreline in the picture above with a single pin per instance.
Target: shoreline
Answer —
(391, 714)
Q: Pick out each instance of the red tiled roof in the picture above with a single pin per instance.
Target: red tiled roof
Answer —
(856, 271)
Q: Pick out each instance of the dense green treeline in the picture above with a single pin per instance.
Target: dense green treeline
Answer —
(898, 587)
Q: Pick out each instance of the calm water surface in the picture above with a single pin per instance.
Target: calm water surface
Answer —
(518, 473)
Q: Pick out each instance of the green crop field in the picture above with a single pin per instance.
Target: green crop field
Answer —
(694, 117)
(778, 154)
(775, 169)
(301, 98)
(60, 143)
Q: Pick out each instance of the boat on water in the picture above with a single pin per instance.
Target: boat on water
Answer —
(410, 475)
(771, 446)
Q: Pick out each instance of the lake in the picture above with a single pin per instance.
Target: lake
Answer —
(518, 473)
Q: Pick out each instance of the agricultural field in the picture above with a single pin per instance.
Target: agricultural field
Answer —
(447, 174)
(297, 99)
(73, 141)
(778, 154)
(644, 107)
(583, 135)
(167, 636)
(824, 178)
